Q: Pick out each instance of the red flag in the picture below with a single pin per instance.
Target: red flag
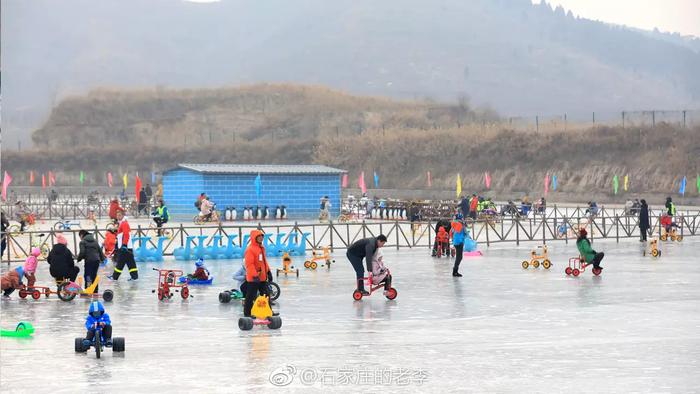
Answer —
(109, 179)
(430, 180)
(546, 184)
(31, 177)
(5, 183)
(43, 181)
(361, 182)
(487, 180)
(137, 187)
(52, 179)
(344, 182)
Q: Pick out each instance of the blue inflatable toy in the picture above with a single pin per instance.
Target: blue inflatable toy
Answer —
(184, 253)
(141, 253)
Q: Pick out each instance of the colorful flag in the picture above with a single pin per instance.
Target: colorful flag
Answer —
(546, 184)
(459, 185)
(344, 182)
(109, 179)
(153, 177)
(52, 179)
(697, 183)
(361, 182)
(626, 183)
(31, 178)
(376, 180)
(487, 180)
(125, 179)
(82, 178)
(43, 181)
(430, 181)
(616, 184)
(258, 186)
(5, 183)
(681, 189)
(137, 188)
(554, 183)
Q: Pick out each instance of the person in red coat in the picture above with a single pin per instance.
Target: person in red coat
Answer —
(257, 271)
(114, 207)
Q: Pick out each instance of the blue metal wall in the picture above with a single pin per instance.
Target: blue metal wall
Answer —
(300, 193)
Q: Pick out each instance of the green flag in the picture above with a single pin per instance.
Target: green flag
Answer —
(82, 177)
(616, 184)
(698, 183)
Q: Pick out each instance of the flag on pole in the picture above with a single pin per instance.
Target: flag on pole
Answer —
(681, 189)
(82, 178)
(697, 183)
(376, 180)
(344, 182)
(258, 186)
(43, 181)
(430, 181)
(361, 182)
(546, 184)
(5, 183)
(125, 178)
(52, 179)
(31, 178)
(459, 185)
(153, 177)
(626, 183)
(616, 184)
(109, 179)
(554, 183)
(137, 188)
(487, 180)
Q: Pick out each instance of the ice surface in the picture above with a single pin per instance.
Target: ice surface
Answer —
(498, 329)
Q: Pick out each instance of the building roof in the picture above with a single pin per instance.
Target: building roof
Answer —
(260, 169)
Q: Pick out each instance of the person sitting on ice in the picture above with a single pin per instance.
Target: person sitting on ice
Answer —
(30, 266)
(587, 253)
(201, 272)
(380, 274)
(11, 280)
(98, 316)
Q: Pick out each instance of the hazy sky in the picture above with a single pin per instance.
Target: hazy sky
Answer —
(668, 15)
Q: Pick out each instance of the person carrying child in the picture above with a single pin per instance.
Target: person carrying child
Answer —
(11, 280)
(380, 274)
(91, 252)
(200, 272)
(98, 316)
(30, 266)
(587, 253)
(62, 266)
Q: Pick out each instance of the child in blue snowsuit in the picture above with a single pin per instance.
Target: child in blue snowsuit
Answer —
(97, 315)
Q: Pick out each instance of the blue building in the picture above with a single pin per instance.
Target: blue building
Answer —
(298, 187)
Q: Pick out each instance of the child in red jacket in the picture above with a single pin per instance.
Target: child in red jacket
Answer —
(443, 240)
(201, 273)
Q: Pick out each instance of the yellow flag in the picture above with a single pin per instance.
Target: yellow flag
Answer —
(126, 180)
(626, 182)
(459, 185)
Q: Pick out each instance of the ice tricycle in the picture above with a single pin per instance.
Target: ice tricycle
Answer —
(168, 282)
(444, 249)
(23, 330)
(68, 290)
(673, 235)
(389, 294)
(287, 267)
(537, 254)
(323, 256)
(234, 294)
(653, 248)
(98, 342)
(577, 265)
(261, 316)
(34, 291)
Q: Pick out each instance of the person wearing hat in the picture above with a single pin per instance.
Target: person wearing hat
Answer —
(98, 316)
(125, 254)
(257, 271)
(60, 259)
(11, 280)
(587, 253)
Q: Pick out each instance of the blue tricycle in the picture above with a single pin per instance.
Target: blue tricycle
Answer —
(82, 345)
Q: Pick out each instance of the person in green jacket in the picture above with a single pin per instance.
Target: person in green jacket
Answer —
(587, 253)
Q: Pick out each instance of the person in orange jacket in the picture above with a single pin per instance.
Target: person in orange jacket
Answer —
(443, 239)
(257, 271)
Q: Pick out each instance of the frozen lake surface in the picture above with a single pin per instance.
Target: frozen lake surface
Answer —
(498, 329)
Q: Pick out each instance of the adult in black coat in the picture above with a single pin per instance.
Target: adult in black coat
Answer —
(143, 201)
(643, 220)
(61, 262)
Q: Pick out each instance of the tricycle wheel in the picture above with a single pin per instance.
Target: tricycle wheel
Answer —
(245, 323)
(98, 345)
(297, 272)
(535, 263)
(664, 237)
(274, 291)
(64, 294)
(118, 344)
(568, 271)
(655, 252)
(546, 264)
(307, 264)
(525, 264)
(597, 271)
(314, 265)
(679, 238)
(391, 293)
(47, 292)
(576, 272)
(275, 322)
(36, 294)
(161, 294)
(225, 297)
(357, 295)
(108, 295)
(79, 348)
(185, 293)
(23, 294)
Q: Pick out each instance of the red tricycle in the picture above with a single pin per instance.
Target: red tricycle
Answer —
(34, 291)
(167, 281)
(577, 265)
(444, 249)
(390, 294)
